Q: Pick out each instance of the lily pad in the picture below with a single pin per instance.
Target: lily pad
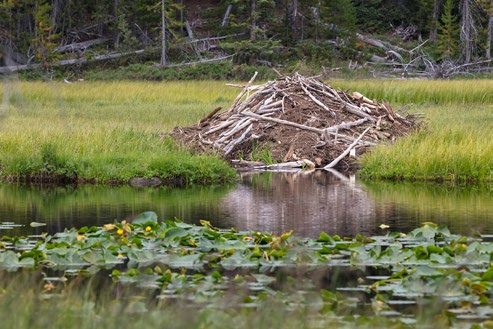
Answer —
(145, 218)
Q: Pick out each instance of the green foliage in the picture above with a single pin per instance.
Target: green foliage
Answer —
(155, 262)
(341, 14)
(262, 154)
(36, 27)
(247, 52)
(318, 52)
(44, 40)
(424, 15)
(448, 32)
(212, 71)
(372, 15)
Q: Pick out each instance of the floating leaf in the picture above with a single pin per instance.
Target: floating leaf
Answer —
(145, 218)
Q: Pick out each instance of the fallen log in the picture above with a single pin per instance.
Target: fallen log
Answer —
(380, 44)
(66, 62)
(79, 46)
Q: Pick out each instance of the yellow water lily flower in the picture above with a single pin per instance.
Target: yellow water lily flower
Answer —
(80, 237)
(119, 232)
(148, 228)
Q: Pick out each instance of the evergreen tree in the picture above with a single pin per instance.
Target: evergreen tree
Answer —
(448, 32)
(44, 36)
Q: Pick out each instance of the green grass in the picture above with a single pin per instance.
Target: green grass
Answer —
(457, 142)
(419, 92)
(456, 145)
(112, 131)
(107, 132)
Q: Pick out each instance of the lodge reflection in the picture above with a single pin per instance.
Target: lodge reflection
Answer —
(304, 202)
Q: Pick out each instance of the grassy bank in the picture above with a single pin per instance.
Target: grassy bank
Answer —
(106, 132)
(112, 131)
(456, 145)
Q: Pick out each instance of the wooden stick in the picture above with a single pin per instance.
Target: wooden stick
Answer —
(243, 92)
(220, 126)
(210, 115)
(346, 151)
(284, 122)
(231, 145)
(319, 103)
(347, 125)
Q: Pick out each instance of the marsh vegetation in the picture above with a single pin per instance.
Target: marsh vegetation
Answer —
(112, 131)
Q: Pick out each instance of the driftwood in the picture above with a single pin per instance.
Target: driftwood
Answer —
(287, 165)
(296, 118)
(346, 151)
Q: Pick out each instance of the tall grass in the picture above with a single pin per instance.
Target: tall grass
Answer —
(107, 131)
(418, 92)
(457, 142)
(456, 145)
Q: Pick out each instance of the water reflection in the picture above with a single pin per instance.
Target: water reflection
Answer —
(62, 207)
(304, 202)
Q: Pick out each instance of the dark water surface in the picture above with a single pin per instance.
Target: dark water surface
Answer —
(303, 202)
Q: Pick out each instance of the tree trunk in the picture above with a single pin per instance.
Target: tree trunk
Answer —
(226, 15)
(292, 13)
(434, 22)
(253, 17)
(467, 30)
(490, 32)
(116, 40)
(68, 62)
(163, 35)
(56, 9)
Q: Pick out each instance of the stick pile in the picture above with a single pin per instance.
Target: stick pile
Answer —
(299, 120)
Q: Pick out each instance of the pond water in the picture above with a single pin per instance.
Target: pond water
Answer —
(277, 202)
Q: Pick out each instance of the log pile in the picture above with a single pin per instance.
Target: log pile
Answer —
(301, 121)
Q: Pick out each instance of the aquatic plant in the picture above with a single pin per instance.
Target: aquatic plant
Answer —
(198, 264)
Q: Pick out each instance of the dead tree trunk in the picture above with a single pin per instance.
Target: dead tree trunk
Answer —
(253, 17)
(68, 62)
(490, 32)
(467, 30)
(226, 15)
(434, 22)
(116, 40)
(163, 35)
(292, 14)
(56, 9)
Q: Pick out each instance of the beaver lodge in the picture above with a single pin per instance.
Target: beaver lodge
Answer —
(301, 121)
